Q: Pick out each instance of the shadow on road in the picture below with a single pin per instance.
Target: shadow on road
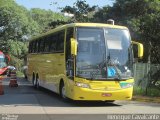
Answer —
(51, 99)
(26, 95)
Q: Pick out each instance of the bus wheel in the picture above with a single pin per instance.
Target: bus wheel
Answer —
(37, 83)
(34, 82)
(63, 91)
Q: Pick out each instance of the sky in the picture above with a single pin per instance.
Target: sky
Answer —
(50, 4)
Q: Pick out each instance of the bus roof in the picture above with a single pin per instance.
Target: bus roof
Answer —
(96, 25)
(79, 25)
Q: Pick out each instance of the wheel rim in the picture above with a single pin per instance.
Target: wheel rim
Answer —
(63, 92)
(37, 83)
(34, 82)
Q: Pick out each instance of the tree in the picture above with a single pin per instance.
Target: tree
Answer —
(16, 27)
(44, 18)
(101, 15)
(82, 11)
(15, 23)
(142, 18)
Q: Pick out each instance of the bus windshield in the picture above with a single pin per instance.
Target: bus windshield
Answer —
(2, 61)
(104, 53)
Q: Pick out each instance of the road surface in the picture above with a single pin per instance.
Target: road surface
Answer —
(31, 102)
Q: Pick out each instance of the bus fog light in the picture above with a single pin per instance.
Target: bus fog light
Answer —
(83, 85)
(126, 85)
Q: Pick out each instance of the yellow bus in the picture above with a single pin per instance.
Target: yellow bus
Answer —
(84, 61)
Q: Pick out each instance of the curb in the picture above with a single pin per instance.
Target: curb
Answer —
(146, 99)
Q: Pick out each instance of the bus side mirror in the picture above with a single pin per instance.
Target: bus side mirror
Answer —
(137, 49)
(73, 46)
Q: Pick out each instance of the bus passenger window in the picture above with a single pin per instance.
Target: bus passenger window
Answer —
(33, 47)
(41, 47)
(60, 41)
(46, 44)
(52, 43)
(30, 47)
(36, 46)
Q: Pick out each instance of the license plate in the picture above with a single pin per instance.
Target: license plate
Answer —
(106, 94)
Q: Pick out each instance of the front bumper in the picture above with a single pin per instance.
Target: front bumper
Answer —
(98, 95)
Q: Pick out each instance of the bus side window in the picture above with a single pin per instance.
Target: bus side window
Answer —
(41, 46)
(53, 43)
(46, 44)
(33, 47)
(36, 46)
(39, 42)
(60, 41)
(30, 47)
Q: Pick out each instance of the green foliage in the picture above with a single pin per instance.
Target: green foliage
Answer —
(18, 63)
(142, 18)
(102, 15)
(16, 26)
(151, 92)
(19, 74)
(15, 23)
(138, 91)
(17, 48)
(18, 51)
(44, 18)
(82, 11)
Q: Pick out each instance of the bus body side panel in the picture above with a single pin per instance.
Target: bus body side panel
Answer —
(31, 67)
(50, 69)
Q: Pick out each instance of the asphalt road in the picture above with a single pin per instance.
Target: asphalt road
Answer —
(27, 103)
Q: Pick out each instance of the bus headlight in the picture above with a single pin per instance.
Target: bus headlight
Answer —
(83, 85)
(126, 85)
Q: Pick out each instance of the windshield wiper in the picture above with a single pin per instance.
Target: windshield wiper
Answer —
(94, 73)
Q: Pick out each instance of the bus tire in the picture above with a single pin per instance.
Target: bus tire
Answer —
(34, 81)
(25, 77)
(62, 91)
(37, 82)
